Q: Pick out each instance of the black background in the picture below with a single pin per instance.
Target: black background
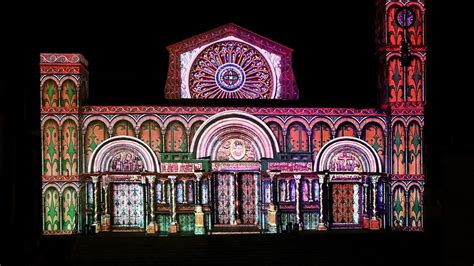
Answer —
(334, 63)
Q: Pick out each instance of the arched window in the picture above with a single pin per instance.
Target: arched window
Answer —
(96, 133)
(373, 134)
(398, 140)
(414, 148)
(70, 148)
(297, 138)
(415, 206)
(70, 209)
(175, 138)
(394, 31)
(395, 80)
(320, 135)
(277, 132)
(415, 81)
(150, 133)
(50, 95)
(51, 209)
(399, 206)
(51, 148)
(68, 95)
(194, 129)
(123, 128)
(346, 129)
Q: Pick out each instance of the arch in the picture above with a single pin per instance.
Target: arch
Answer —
(195, 119)
(320, 135)
(376, 120)
(51, 150)
(415, 205)
(277, 132)
(395, 80)
(414, 119)
(150, 133)
(69, 117)
(70, 148)
(346, 129)
(220, 125)
(50, 118)
(176, 139)
(414, 148)
(96, 132)
(102, 157)
(123, 127)
(364, 157)
(293, 120)
(68, 94)
(415, 80)
(343, 120)
(394, 32)
(172, 119)
(51, 209)
(70, 205)
(194, 128)
(277, 120)
(322, 119)
(373, 134)
(399, 212)
(50, 93)
(398, 148)
(147, 118)
(297, 138)
(93, 118)
(399, 120)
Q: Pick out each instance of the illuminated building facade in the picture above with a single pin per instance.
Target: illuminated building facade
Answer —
(200, 170)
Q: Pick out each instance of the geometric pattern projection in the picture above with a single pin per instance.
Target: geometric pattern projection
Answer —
(128, 205)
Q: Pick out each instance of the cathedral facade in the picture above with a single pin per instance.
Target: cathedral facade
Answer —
(212, 169)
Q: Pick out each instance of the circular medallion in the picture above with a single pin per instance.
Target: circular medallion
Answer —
(230, 77)
(230, 69)
(405, 17)
(237, 149)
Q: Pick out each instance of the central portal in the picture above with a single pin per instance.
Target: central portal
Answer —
(235, 198)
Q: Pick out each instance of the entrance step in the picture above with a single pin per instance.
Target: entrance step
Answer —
(235, 229)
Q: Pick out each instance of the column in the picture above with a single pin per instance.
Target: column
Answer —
(297, 196)
(174, 226)
(310, 188)
(287, 195)
(321, 225)
(272, 207)
(235, 181)
(152, 226)
(365, 218)
(198, 213)
(106, 217)
(95, 181)
(374, 221)
(185, 192)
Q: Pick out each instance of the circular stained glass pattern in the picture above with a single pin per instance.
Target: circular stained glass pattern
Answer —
(230, 69)
(405, 17)
(230, 77)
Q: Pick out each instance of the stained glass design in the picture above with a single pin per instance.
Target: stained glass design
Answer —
(373, 134)
(176, 139)
(50, 95)
(267, 192)
(68, 95)
(224, 198)
(190, 191)
(394, 31)
(415, 81)
(150, 133)
(399, 157)
(51, 148)
(297, 139)
(51, 209)
(96, 133)
(395, 80)
(292, 190)
(283, 193)
(414, 148)
(346, 130)
(321, 134)
(415, 207)
(159, 192)
(69, 148)
(128, 209)
(70, 209)
(278, 132)
(305, 190)
(230, 69)
(399, 206)
(247, 198)
(123, 128)
(205, 192)
(344, 204)
(179, 192)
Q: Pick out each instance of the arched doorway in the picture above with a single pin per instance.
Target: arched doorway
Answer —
(235, 142)
(353, 169)
(121, 162)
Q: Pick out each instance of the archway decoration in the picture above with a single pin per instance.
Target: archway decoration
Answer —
(234, 136)
(123, 154)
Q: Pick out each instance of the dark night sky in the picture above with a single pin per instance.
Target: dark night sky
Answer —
(333, 60)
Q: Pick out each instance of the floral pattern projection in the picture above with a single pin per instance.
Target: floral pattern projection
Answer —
(176, 139)
(248, 197)
(70, 209)
(231, 69)
(51, 209)
(96, 133)
(50, 94)
(68, 95)
(373, 134)
(51, 148)
(128, 208)
(321, 134)
(70, 147)
(225, 206)
(150, 133)
(297, 139)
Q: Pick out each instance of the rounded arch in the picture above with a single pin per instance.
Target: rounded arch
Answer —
(66, 78)
(50, 118)
(45, 79)
(196, 119)
(366, 155)
(69, 117)
(120, 118)
(147, 118)
(104, 153)
(375, 120)
(414, 120)
(294, 120)
(171, 119)
(220, 125)
(343, 120)
(92, 118)
(326, 120)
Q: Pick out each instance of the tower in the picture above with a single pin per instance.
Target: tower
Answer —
(400, 37)
(63, 87)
